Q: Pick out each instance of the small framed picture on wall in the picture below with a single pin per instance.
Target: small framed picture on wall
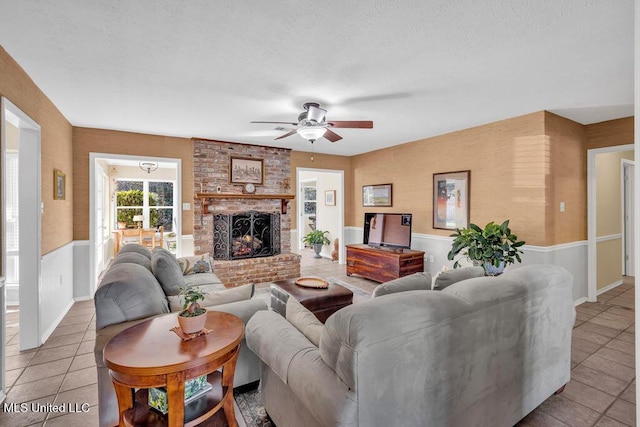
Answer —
(59, 185)
(330, 198)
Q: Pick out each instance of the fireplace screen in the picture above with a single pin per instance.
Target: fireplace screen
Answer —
(246, 235)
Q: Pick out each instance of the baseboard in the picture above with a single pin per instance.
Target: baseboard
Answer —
(579, 301)
(609, 287)
(83, 298)
(45, 336)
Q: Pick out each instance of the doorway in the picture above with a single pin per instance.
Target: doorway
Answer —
(21, 236)
(110, 173)
(606, 205)
(321, 206)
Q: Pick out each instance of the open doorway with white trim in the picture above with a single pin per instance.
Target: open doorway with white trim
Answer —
(21, 222)
(606, 206)
(132, 192)
(320, 197)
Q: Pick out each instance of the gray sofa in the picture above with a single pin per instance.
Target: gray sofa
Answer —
(482, 352)
(139, 285)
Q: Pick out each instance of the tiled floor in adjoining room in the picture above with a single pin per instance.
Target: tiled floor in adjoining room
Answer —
(601, 392)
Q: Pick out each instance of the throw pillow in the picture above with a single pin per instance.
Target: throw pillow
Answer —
(166, 269)
(304, 320)
(449, 277)
(215, 296)
(196, 264)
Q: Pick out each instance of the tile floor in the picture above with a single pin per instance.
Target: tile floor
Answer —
(601, 392)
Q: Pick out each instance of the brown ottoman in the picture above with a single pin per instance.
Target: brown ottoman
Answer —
(321, 302)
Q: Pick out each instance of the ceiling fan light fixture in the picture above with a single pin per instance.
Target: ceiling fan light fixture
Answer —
(311, 133)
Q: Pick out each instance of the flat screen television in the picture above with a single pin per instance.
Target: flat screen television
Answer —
(391, 230)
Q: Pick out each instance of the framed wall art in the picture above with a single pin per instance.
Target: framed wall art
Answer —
(451, 200)
(376, 195)
(330, 197)
(59, 185)
(243, 170)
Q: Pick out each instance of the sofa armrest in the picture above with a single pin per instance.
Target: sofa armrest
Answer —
(244, 309)
(413, 282)
(275, 341)
(297, 362)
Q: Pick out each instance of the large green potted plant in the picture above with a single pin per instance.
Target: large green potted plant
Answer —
(493, 247)
(317, 239)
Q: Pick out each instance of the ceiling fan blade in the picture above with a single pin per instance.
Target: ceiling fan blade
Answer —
(361, 124)
(332, 136)
(291, 132)
(279, 123)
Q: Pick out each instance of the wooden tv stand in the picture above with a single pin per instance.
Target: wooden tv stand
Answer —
(383, 264)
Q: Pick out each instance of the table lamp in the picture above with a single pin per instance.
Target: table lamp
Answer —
(138, 219)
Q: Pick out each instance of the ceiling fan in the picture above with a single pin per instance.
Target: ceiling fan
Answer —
(312, 124)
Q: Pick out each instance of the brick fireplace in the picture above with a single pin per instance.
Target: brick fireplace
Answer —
(211, 161)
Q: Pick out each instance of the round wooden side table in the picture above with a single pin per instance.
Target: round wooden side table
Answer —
(149, 354)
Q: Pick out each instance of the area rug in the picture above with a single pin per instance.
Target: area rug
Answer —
(250, 405)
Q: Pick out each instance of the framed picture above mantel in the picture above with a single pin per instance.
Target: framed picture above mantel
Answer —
(246, 170)
(451, 200)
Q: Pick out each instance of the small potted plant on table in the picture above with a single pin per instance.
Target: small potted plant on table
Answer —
(192, 318)
(493, 248)
(317, 239)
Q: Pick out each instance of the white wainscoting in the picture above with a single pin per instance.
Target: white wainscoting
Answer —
(81, 272)
(572, 256)
(56, 288)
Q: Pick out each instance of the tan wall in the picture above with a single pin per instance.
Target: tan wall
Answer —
(567, 181)
(509, 164)
(87, 140)
(610, 133)
(302, 159)
(609, 262)
(56, 149)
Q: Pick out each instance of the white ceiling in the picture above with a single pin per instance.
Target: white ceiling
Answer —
(416, 68)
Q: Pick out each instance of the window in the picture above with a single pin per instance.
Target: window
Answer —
(152, 199)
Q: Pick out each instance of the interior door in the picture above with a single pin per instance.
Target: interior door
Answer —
(99, 220)
(629, 225)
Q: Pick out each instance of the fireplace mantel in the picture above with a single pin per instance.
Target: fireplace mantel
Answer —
(205, 197)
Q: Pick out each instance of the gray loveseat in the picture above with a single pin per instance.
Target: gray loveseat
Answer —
(481, 352)
(139, 285)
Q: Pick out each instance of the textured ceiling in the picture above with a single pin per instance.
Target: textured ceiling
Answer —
(416, 68)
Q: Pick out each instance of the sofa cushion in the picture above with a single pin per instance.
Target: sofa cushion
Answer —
(196, 264)
(165, 267)
(413, 282)
(132, 258)
(448, 277)
(128, 292)
(202, 279)
(215, 296)
(134, 247)
(304, 320)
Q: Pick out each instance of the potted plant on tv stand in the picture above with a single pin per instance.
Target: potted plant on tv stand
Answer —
(492, 248)
(317, 239)
(192, 318)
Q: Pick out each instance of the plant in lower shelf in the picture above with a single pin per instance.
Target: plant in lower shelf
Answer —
(192, 317)
(493, 247)
(317, 239)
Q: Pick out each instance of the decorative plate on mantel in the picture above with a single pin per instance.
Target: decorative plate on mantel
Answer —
(312, 282)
